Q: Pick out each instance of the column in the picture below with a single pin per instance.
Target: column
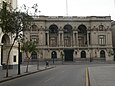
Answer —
(77, 38)
(87, 38)
(62, 38)
(74, 38)
(59, 42)
(48, 38)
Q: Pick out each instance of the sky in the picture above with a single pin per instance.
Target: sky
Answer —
(75, 7)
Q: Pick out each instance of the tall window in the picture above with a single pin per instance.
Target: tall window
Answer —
(46, 39)
(102, 40)
(82, 35)
(60, 38)
(14, 58)
(75, 39)
(68, 35)
(53, 35)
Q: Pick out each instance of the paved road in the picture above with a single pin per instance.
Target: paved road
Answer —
(66, 75)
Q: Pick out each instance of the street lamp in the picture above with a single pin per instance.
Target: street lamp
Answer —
(62, 56)
(53, 57)
(18, 58)
(38, 63)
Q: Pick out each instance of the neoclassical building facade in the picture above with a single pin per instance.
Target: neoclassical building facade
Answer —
(77, 38)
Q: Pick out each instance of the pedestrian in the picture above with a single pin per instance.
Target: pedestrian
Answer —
(47, 64)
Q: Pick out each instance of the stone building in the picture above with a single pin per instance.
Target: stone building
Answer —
(11, 3)
(5, 43)
(77, 38)
(113, 35)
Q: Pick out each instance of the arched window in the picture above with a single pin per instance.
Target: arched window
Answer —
(67, 35)
(101, 27)
(53, 34)
(34, 27)
(5, 39)
(82, 35)
(102, 54)
(4, 48)
(83, 54)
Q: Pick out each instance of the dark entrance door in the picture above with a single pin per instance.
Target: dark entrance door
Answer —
(68, 55)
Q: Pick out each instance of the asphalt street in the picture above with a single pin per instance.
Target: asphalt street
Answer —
(62, 75)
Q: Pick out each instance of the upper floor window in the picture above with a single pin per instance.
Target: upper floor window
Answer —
(101, 27)
(34, 27)
(102, 39)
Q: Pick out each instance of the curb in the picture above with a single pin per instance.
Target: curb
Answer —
(18, 76)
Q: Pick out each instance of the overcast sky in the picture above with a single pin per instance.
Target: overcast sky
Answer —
(75, 7)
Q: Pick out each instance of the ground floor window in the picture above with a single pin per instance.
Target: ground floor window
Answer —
(34, 55)
(83, 54)
(102, 54)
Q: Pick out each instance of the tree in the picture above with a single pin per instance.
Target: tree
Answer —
(28, 47)
(13, 22)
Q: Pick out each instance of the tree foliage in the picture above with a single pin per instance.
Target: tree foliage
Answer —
(28, 47)
(13, 22)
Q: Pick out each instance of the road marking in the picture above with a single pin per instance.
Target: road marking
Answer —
(87, 78)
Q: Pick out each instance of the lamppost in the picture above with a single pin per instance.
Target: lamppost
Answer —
(18, 58)
(38, 63)
(62, 56)
(53, 57)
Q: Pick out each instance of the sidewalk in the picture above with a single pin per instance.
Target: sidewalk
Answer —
(13, 73)
(102, 76)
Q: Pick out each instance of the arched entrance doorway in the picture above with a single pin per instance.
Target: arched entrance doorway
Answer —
(68, 54)
(4, 48)
(83, 54)
(53, 55)
(102, 54)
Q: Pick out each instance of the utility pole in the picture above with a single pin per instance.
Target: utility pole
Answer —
(66, 8)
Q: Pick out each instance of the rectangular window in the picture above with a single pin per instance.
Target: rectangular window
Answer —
(14, 58)
(60, 38)
(67, 42)
(53, 42)
(102, 40)
(46, 39)
(89, 38)
(75, 39)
